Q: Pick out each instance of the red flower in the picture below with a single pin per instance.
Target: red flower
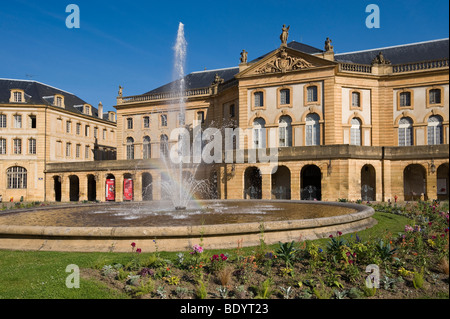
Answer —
(138, 250)
(331, 236)
(339, 233)
(133, 244)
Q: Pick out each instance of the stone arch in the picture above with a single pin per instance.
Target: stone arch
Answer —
(442, 182)
(91, 188)
(368, 183)
(74, 188)
(414, 182)
(311, 183)
(281, 183)
(147, 186)
(252, 183)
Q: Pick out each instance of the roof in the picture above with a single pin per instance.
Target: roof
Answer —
(400, 54)
(39, 93)
(199, 79)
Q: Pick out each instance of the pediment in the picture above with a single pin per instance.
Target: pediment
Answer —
(284, 60)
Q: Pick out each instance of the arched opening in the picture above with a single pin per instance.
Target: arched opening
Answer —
(147, 187)
(259, 133)
(165, 186)
(368, 183)
(74, 188)
(91, 188)
(442, 182)
(252, 183)
(414, 182)
(311, 183)
(110, 187)
(128, 190)
(281, 183)
(57, 188)
(312, 129)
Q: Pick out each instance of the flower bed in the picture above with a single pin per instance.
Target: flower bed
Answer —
(409, 264)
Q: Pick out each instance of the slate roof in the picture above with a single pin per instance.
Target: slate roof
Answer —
(39, 93)
(199, 79)
(400, 54)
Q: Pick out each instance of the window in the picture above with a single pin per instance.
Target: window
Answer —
(17, 146)
(201, 117)
(232, 110)
(405, 99)
(434, 96)
(86, 151)
(77, 150)
(356, 99)
(181, 119)
(58, 148)
(87, 110)
(16, 177)
(312, 129)
(59, 101)
(312, 93)
(285, 131)
(78, 128)
(435, 130)
(86, 130)
(18, 97)
(164, 120)
(95, 132)
(258, 99)
(130, 148)
(129, 123)
(147, 150)
(405, 132)
(68, 126)
(355, 132)
(285, 96)
(104, 134)
(17, 121)
(32, 121)
(32, 146)
(68, 149)
(146, 122)
(164, 145)
(2, 120)
(259, 133)
(2, 146)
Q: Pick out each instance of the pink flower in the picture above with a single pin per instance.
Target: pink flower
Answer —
(223, 257)
(408, 228)
(197, 249)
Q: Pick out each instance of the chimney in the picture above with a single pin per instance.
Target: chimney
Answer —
(100, 110)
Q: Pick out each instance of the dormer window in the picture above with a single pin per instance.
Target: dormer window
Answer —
(17, 96)
(59, 101)
(87, 109)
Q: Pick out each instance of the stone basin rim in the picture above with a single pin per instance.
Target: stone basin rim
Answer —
(362, 212)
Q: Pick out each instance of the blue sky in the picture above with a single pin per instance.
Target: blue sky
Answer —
(130, 43)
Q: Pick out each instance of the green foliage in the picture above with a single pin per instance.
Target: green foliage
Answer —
(265, 290)
(286, 252)
(200, 291)
(418, 279)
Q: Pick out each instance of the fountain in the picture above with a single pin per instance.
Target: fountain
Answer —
(217, 223)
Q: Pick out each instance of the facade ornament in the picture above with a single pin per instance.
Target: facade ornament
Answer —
(284, 63)
(328, 46)
(120, 91)
(217, 80)
(284, 35)
(380, 59)
(244, 56)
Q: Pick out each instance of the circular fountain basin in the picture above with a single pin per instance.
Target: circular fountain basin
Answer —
(156, 225)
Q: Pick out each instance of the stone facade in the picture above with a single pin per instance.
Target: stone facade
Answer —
(343, 127)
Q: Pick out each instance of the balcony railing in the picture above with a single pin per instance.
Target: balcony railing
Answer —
(165, 95)
(354, 67)
(418, 66)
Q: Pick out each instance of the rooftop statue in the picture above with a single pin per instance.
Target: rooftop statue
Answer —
(284, 35)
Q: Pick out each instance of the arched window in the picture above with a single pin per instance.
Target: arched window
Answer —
(164, 145)
(312, 129)
(285, 131)
(405, 132)
(259, 133)
(435, 130)
(355, 132)
(16, 177)
(130, 148)
(147, 151)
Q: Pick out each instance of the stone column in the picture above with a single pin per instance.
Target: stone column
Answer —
(65, 189)
(137, 187)
(83, 188)
(266, 186)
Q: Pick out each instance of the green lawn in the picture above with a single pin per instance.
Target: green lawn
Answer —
(42, 275)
